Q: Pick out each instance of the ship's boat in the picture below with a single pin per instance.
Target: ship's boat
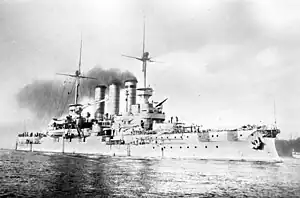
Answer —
(295, 154)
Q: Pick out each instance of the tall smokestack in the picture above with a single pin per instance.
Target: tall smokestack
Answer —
(114, 97)
(130, 86)
(100, 95)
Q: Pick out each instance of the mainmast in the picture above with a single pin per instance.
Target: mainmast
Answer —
(144, 58)
(77, 75)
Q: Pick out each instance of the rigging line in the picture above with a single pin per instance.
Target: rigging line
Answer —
(64, 107)
(51, 93)
(49, 96)
(90, 92)
(61, 97)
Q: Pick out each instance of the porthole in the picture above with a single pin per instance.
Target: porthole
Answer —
(179, 147)
(205, 146)
(240, 134)
(164, 147)
(187, 136)
(195, 146)
(175, 137)
(217, 147)
(153, 147)
(212, 135)
(217, 135)
(167, 137)
(171, 147)
(187, 147)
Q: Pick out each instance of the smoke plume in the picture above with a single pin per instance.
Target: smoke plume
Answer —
(46, 98)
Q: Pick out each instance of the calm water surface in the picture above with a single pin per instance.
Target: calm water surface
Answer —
(39, 175)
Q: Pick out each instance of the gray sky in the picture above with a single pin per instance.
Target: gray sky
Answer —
(237, 55)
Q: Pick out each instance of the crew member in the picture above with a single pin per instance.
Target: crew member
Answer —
(88, 117)
(142, 123)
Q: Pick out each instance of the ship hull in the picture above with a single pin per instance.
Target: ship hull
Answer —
(223, 150)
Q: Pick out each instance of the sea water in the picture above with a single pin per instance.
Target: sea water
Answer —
(25, 174)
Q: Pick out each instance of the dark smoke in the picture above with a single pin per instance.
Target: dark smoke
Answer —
(107, 77)
(46, 98)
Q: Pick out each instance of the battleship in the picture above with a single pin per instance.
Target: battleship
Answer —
(142, 130)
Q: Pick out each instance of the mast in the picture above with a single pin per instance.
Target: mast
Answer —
(76, 90)
(144, 58)
(127, 94)
(77, 75)
(145, 74)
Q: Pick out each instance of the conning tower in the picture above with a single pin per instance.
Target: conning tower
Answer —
(145, 94)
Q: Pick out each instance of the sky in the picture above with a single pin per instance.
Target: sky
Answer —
(224, 62)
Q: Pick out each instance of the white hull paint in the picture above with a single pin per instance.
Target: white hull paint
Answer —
(214, 150)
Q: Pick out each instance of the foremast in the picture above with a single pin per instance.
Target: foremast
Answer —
(77, 76)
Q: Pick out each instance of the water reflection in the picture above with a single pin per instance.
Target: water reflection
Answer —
(77, 176)
(36, 175)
